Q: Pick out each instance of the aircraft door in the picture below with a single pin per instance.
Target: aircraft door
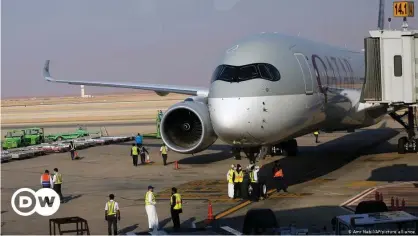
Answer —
(306, 73)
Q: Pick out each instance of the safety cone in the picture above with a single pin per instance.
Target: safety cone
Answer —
(376, 196)
(176, 165)
(210, 211)
(403, 204)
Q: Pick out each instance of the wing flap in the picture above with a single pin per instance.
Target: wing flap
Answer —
(160, 89)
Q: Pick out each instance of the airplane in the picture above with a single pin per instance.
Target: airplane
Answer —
(268, 90)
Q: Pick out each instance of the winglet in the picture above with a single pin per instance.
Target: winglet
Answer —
(46, 73)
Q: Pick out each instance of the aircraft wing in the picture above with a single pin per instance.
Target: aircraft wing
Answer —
(160, 89)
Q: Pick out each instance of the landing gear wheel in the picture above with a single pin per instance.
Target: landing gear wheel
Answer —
(290, 148)
(402, 142)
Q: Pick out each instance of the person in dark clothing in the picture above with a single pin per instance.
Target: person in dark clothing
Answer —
(72, 150)
(134, 154)
(176, 208)
(279, 177)
(143, 151)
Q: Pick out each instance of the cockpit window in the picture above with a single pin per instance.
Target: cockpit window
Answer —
(246, 72)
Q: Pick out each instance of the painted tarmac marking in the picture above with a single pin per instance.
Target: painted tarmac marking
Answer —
(232, 210)
(231, 230)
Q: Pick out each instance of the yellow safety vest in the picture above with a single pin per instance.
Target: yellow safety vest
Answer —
(252, 177)
(58, 178)
(178, 201)
(135, 151)
(239, 177)
(316, 133)
(111, 208)
(146, 198)
(230, 176)
(163, 150)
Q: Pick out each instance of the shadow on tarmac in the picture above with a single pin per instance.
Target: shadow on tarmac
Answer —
(397, 172)
(313, 162)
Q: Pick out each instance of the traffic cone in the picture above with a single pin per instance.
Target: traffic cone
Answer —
(176, 165)
(397, 203)
(210, 211)
(403, 204)
(381, 197)
(376, 196)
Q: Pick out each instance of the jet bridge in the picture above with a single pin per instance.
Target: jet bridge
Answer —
(391, 77)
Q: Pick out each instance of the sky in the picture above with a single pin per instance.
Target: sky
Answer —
(157, 41)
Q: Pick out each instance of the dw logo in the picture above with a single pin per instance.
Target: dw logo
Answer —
(45, 202)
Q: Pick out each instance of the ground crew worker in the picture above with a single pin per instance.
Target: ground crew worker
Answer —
(57, 179)
(138, 139)
(255, 194)
(176, 208)
(316, 134)
(279, 177)
(163, 151)
(72, 150)
(150, 209)
(112, 214)
(143, 152)
(230, 179)
(238, 178)
(134, 154)
(46, 182)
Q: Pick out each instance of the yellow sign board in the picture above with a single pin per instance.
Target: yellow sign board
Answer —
(403, 9)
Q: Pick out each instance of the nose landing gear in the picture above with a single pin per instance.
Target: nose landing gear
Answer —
(407, 144)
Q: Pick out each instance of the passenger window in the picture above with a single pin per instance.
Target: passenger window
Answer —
(397, 65)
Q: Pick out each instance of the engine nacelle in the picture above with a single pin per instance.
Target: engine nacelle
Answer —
(186, 127)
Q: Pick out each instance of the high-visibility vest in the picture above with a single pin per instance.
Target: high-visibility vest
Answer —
(230, 176)
(178, 201)
(252, 179)
(147, 202)
(111, 208)
(239, 177)
(58, 178)
(135, 151)
(163, 150)
(46, 180)
(316, 133)
(279, 173)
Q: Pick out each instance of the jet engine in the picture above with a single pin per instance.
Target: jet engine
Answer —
(186, 126)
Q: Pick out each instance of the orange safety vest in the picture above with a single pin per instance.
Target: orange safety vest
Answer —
(45, 180)
(278, 173)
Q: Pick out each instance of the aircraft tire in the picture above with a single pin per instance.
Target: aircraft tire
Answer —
(290, 148)
(401, 145)
(259, 219)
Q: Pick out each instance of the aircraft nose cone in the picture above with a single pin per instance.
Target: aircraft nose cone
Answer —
(233, 119)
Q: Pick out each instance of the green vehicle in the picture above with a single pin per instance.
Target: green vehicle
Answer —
(80, 132)
(15, 139)
(34, 136)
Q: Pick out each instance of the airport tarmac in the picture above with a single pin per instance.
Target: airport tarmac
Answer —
(321, 178)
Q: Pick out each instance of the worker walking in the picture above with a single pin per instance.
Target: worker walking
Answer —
(112, 215)
(57, 180)
(255, 194)
(150, 209)
(143, 152)
(176, 208)
(72, 150)
(134, 154)
(316, 134)
(238, 178)
(163, 151)
(230, 179)
(46, 182)
(138, 139)
(279, 177)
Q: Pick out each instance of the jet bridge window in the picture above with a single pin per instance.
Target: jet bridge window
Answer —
(231, 74)
(397, 65)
